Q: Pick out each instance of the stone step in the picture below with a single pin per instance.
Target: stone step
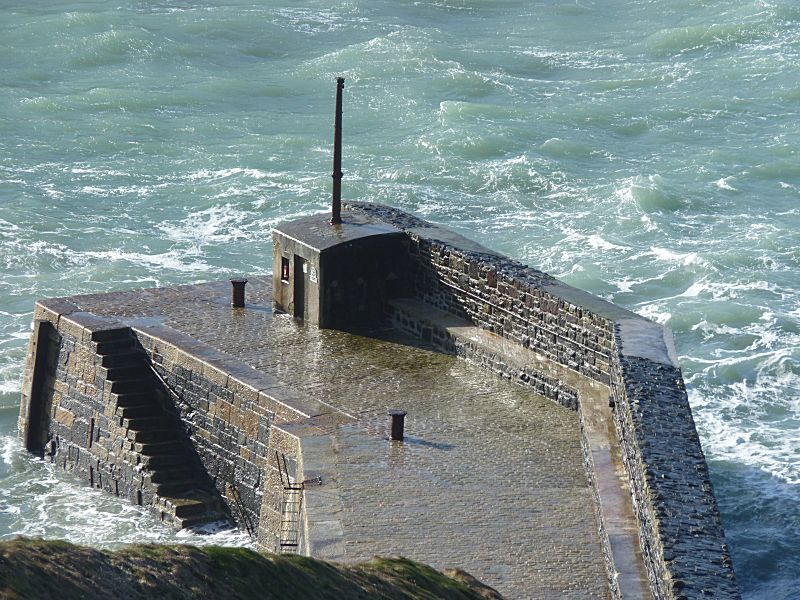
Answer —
(192, 503)
(186, 507)
(163, 461)
(178, 472)
(151, 435)
(108, 335)
(133, 371)
(175, 489)
(115, 346)
(201, 519)
(126, 399)
(132, 386)
(158, 448)
(145, 423)
(123, 359)
(139, 411)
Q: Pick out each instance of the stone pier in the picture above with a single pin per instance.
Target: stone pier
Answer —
(549, 448)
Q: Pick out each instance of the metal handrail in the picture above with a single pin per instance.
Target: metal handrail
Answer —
(280, 457)
(163, 381)
(237, 500)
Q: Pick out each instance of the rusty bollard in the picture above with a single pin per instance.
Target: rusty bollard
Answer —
(398, 423)
(237, 292)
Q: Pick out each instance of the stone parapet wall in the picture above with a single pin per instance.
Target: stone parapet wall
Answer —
(503, 296)
(431, 331)
(242, 424)
(508, 299)
(226, 419)
(680, 530)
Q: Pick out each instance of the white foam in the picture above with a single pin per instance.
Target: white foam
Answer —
(7, 227)
(37, 499)
(625, 192)
(731, 423)
(215, 225)
(683, 258)
(207, 175)
(595, 241)
(174, 259)
(9, 447)
(10, 385)
(739, 358)
(97, 172)
(625, 285)
(94, 191)
(724, 184)
(695, 289)
(656, 313)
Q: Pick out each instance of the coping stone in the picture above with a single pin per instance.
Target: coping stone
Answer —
(646, 339)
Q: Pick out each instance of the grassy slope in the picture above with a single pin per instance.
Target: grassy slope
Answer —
(35, 568)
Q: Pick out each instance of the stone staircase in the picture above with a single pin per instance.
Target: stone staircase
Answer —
(152, 439)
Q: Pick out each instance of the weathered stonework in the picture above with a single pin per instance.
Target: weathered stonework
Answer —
(223, 416)
(105, 420)
(226, 420)
(503, 296)
(683, 540)
(681, 535)
(431, 331)
(249, 436)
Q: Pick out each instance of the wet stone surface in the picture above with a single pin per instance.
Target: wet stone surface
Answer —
(490, 477)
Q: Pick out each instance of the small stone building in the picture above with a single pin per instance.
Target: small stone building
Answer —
(337, 276)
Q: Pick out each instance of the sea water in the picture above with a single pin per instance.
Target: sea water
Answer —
(644, 151)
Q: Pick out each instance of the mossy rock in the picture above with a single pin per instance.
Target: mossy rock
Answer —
(36, 568)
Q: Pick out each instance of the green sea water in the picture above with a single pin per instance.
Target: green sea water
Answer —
(644, 151)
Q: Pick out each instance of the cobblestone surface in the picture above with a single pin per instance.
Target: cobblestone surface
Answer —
(490, 478)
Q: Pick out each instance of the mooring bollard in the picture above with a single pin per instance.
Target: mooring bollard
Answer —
(237, 293)
(398, 423)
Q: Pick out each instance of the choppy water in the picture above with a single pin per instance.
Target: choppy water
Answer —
(645, 151)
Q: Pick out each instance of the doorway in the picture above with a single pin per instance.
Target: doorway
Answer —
(300, 287)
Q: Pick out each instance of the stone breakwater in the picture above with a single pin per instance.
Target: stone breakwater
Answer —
(174, 400)
(679, 522)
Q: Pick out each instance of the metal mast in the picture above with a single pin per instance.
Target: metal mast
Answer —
(336, 208)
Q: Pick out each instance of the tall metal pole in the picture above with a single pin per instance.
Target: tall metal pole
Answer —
(336, 209)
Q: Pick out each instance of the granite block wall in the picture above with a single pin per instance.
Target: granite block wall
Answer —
(501, 295)
(242, 423)
(37, 383)
(228, 426)
(79, 430)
